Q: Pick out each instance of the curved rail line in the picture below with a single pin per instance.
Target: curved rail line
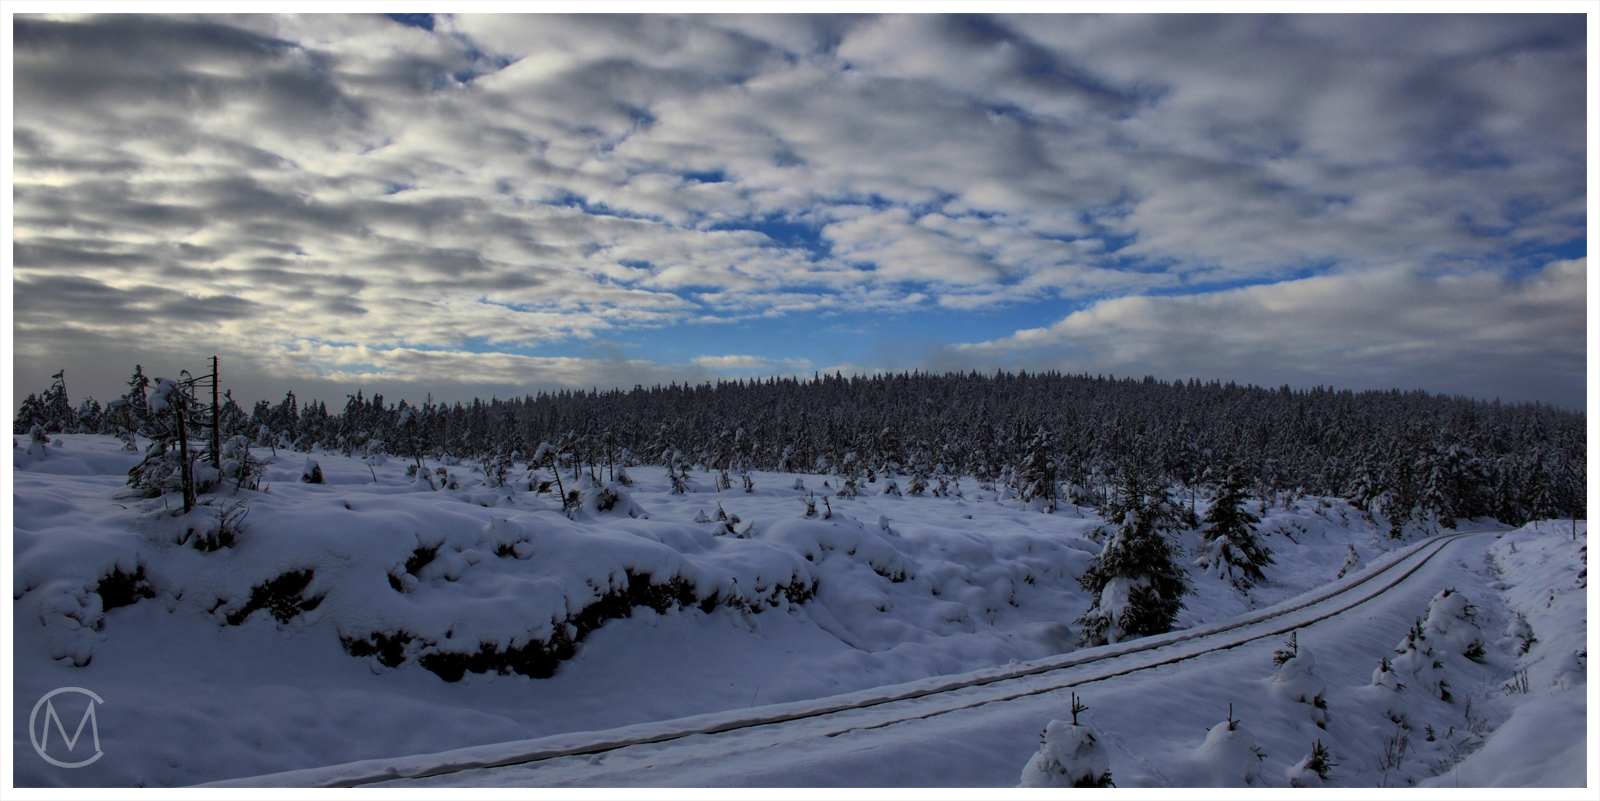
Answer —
(1380, 581)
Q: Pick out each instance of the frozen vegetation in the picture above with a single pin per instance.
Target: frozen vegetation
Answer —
(385, 610)
(289, 588)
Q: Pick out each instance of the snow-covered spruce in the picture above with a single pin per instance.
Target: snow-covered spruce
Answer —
(1295, 682)
(1036, 476)
(1230, 549)
(1137, 586)
(37, 440)
(1313, 771)
(1421, 660)
(1069, 755)
(1229, 757)
(1352, 561)
(1414, 658)
(1386, 693)
(1519, 636)
(1452, 624)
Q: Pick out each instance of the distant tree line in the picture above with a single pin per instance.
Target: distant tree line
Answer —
(1046, 437)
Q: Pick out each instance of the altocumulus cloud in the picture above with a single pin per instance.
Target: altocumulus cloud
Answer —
(502, 203)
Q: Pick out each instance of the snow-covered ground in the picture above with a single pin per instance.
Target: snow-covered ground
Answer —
(373, 616)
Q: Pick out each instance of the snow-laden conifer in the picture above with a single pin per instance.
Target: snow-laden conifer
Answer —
(1229, 548)
(1229, 757)
(1036, 476)
(1315, 770)
(1295, 681)
(1352, 561)
(1069, 755)
(1137, 585)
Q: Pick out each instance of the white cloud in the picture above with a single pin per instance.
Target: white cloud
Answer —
(751, 363)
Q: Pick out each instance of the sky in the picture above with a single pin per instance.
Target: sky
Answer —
(489, 205)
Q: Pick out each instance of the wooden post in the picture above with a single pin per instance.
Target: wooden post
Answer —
(216, 420)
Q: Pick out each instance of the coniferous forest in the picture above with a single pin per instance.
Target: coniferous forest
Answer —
(1411, 457)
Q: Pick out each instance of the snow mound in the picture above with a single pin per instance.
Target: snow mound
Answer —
(1070, 755)
(1229, 757)
(1295, 682)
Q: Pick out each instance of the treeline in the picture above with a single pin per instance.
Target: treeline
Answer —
(1412, 457)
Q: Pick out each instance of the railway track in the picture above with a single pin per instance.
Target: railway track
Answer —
(886, 706)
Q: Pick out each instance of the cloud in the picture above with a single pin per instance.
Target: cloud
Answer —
(1478, 335)
(751, 363)
(526, 183)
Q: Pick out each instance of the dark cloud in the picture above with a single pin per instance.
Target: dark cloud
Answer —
(97, 305)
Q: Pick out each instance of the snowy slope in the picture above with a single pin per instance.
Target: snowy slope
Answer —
(372, 616)
(1157, 724)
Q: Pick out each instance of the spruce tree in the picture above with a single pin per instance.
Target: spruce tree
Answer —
(31, 413)
(55, 408)
(1230, 547)
(1036, 478)
(1137, 585)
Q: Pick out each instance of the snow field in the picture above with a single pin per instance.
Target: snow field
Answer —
(373, 615)
(1156, 723)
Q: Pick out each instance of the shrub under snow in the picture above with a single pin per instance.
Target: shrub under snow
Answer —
(1070, 755)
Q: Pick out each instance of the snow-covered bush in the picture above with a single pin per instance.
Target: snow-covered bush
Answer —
(1414, 657)
(611, 499)
(312, 472)
(37, 440)
(1386, 689)
(1519, 636)
(1451, 624)
(849, 488)
(1069, 755)
(1295, 682)
(1352, 561)
(1313, 771)
(1229, 757)
(160, 472)
(239, 466)
(207, 530)
(918, 484)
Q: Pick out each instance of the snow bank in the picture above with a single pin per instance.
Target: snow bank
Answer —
(1542, 571)
(404, 577)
